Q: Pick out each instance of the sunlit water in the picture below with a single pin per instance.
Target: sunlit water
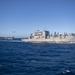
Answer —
(19, 58)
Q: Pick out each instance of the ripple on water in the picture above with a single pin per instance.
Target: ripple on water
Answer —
(18, 58)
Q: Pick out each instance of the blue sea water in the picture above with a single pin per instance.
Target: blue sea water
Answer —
(20, 58)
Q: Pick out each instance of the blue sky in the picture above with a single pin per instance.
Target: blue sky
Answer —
(19, 18)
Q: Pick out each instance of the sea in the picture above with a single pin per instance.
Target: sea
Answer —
(24, 58)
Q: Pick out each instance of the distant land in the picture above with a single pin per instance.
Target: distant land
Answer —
(9, 38)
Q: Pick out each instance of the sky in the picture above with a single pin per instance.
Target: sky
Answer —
(20, 18)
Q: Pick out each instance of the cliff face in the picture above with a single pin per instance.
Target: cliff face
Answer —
(72, 39)
(52, 39)
(63, 39)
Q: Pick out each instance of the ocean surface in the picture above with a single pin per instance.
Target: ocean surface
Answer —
(20, 58)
